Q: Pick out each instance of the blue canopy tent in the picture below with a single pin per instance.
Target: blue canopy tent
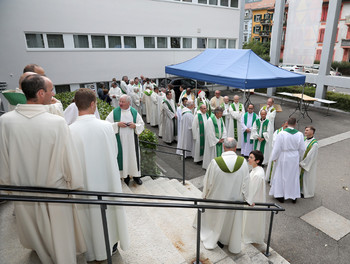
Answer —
(239, 68)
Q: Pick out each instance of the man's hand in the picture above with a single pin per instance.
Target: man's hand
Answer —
(252, 205)
(175, 116)
(114, 96)
(122, 124)
(261, 139)
(248, 130)
(221, 140)
(53, 100)
(132, 125)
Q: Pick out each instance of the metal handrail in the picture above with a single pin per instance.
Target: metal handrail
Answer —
(199, 204)
(171, 147)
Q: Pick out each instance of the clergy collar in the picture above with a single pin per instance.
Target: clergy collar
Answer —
(310, 138)
(291, 127)
(89, 116)
(226, 153)
(262, 119)
(31, 110)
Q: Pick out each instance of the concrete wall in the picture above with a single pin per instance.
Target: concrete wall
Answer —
(118, 17)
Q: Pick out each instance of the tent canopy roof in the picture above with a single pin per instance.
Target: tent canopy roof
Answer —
(239, 68)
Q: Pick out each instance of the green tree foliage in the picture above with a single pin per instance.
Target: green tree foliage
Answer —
(259, 48)
(148, 155)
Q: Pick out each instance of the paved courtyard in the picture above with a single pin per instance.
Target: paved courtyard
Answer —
(314, 230)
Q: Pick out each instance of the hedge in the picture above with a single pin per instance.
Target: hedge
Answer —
(343, 100)
(66, 99)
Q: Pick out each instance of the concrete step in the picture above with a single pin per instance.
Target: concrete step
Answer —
(177, 225)
(148, 244)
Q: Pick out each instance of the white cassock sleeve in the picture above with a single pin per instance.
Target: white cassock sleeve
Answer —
(268, 134)
(210, 133)
(224, 133)
(310, 159)
(302, 147)
(110, 118)
(71, 113)
(246, 181)
(195, 125)
(209, 179)
(167, 111)
(254, 133)
(140, 125)
(244, 127)
(154, 98)
(277, 148)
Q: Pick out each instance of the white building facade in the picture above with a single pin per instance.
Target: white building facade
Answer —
(89, 41)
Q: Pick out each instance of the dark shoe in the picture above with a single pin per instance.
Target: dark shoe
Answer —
(138, 180)
(200, 163)
(280, 199)
(294, 201)
(127, 180)
(302, 195)
(115, 248)
(220, 244)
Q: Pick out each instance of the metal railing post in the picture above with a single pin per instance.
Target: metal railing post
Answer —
(199, 223)
(267, 253)
(105, 230)
(183, 167)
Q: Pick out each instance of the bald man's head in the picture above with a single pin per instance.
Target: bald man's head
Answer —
(34, 68)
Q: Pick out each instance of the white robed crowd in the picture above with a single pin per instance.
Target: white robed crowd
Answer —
(93, 154)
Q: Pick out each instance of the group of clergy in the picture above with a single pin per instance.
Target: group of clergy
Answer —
(89, 154)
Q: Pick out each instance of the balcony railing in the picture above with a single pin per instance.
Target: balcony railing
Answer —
(265, 21)
(345, 42)
(264, 33)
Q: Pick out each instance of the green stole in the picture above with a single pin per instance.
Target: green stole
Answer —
(172, 110)
(240, 108)
(148, 93)
(201, 133)
(245, 122)
(264, 129)
(122, 90)
(218, 145)
(222, 165)
(270, 173)
(271, 110)
(116, 116)
(291, 131)
(305, 154)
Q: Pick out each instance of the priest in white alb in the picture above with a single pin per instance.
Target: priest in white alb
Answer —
(247, 121)
(198, 132)
(234, 129)
(254, 221)
(99, 159)
(114, 93)
(36, 149)
(270, 111)
(287, 152)
(154, 107)
(169, 129)
(227, 178)
(161, 97)
(215, 133)
(309, 164)
(182, 104)
(262, 132)
(135, 99)
(128, 125)
(186, 141)
(148, 103)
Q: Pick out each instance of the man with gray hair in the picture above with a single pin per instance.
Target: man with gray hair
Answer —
(227, 178)
(124, 85)
(186, 141)
(215, 132)
(127, 125)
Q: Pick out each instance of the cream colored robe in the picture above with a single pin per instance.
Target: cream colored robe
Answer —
(215, 102)
(236, 115)
(309, 164)
(128, 141)
(148, 104)
(160, 98)
(224, 225)
(168, 125)
(268, 136)
(154, 108)
(211, 141)
(99, 158)
(71, 113)
(117, 93)
(196, 136)
(36, 149)
(253, 221)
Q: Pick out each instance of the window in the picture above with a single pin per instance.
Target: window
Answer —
(62, 88)
(35, 40)
(201, 43)
(324, 12)
(55, 40)
(245, 40)
(149, 42)
(175, 43)
(318, 54)
(114, 42)
(245, 26)
(162, 42)
(202, 1)
(256, 29)
(257, 18)
(234, 3)
(213, 2)
(187, 1)
(98, 42)
(81, 41)
(130, 42)
(187, 43)
(321, 35)
(232, 42)
(212, 43)
(222, 43)
(224, 2)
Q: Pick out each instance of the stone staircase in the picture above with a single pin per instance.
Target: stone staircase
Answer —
(157, 235)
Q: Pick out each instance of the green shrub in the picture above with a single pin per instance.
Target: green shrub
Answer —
(343, 100)
(67, 98)
(148, 155)
(342, 66)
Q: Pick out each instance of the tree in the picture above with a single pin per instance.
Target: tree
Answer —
(259, 48)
